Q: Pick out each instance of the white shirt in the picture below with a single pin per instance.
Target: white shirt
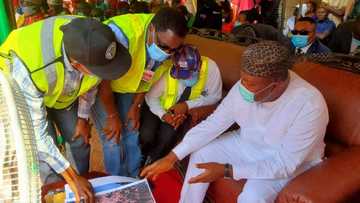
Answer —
(211, 94)
(290, 25)
(304, 49)
(354, 46)
(279, 137)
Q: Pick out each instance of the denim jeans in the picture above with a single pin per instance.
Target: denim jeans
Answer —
(120, 159)
(77, 152)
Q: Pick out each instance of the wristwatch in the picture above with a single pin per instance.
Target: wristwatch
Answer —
(227, 171)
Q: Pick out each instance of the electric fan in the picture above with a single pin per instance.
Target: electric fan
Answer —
(19, 167)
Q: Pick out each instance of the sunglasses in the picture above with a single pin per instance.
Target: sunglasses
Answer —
(301, 32)
(162, 46)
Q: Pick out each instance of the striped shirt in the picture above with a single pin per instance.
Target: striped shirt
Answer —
(48, 152)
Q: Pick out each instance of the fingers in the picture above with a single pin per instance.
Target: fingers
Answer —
(86, 139)
(108, 133)
(76, 135)
(117, 137)
(89, 195)
(136, 125)
(199, 179)
(77, 196)
(203, 165)
(146, 170)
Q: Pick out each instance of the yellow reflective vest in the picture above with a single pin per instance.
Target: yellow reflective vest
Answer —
(168, 99)
(39, 47)
(134, 27)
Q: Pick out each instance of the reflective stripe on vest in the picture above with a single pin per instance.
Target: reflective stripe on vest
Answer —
(38, 46)
(134, 27)
(168, 99)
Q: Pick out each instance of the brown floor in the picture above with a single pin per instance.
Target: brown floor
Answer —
(96, 154)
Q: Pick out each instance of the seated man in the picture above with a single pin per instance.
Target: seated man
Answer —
(324, 26)
(346, 38)
(304, 38)
(193, 81)
(283, 121)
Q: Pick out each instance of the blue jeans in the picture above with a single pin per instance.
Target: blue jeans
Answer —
(120, 159)
(79, 153)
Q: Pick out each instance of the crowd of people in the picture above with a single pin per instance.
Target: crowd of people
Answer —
(137, 80)
(330, 26)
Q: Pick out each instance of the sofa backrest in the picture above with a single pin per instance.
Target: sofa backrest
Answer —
(340, 88)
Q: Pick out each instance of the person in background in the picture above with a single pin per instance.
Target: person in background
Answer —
(208, 15)
(304, 37)
(151, 40)
(82, 9)
(139, 7)
(346, 38)
(249, 33)
(311, 10)
(247, 17)
(123, 8)
(324, 26)
(97, 14)
(190, 19)
(290, 23)
(352, 10)
(243, 5)
(269, 12)
(227, 16)
(55, 8)
(31, 11)
(196, 82)
(283, 122)
(336, 9)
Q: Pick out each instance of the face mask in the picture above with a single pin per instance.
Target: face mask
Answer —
(28, 10)
(250, 96)
(190, 82)
(155, 52)
(356, 41)
(300, 41)
(237, 23)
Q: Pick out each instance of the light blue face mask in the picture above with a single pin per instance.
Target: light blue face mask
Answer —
(191, 81)
(29, 10)
(300, 41)
(250, 96)
(356, 41)
(237, 23)
(155, 52)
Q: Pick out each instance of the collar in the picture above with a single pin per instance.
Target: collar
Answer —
(67, 63)
(305, 49)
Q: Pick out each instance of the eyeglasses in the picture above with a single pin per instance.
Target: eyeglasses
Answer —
(162, 46)
(301, 32)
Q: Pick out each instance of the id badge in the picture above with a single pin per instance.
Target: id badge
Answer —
(148, 75)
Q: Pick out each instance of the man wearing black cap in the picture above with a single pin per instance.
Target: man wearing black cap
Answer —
(57, 62)
(282, 121)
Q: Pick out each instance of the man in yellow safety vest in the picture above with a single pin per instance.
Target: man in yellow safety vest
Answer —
(150, 39)
(57, 62)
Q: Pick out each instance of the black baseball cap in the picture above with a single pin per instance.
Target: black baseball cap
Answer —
(94, 45)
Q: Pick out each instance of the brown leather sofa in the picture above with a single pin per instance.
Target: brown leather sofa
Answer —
(337, 179)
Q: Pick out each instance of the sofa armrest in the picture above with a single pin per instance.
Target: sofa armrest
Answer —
(337, 179)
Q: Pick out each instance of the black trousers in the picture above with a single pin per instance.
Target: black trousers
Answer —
(157, 138)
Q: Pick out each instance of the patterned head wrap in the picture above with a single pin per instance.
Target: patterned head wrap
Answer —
(268, 59)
